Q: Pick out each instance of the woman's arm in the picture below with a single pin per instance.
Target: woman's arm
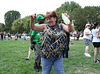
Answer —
(91, 37)
(86, 33)
(98, 34)
(68, 28)
(34, 27)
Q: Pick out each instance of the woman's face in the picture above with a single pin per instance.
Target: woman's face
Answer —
(88, 26)
(51, 21)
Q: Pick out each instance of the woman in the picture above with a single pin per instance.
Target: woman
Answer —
(24, 36)
(96, 42)
(87, 37)
(54, 42)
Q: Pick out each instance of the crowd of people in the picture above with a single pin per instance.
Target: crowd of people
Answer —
(50, 41)
(55, 45)
(10, 36)
(54, 42)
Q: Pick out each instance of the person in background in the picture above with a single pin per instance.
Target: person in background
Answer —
(96, 41)
(77, 36)
(54, 41)
(9, 36)
(35, 41)
(24, 36)
(17, 35)
(65, 52)
(2, 35)
(20, 36)
(98, 33)
(87, 37)
(74, 36)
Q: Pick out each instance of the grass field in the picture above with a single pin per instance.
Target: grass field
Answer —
(12, 54)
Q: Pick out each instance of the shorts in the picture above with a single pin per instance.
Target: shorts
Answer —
(33, 43)
(86, 41)
(9, 38)
(96, 44)
(24, 38)
(37, 53)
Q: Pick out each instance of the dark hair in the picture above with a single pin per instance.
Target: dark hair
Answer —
(95, 24)
(52, 14)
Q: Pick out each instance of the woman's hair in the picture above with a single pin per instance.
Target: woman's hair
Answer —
(52, 14)
(95, 25)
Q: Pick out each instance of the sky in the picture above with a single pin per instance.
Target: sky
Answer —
(28, 7)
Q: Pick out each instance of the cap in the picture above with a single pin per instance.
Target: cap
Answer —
(87, 25)
(39, 17)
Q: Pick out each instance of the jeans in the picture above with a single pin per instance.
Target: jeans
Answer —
(9, 38)
(48, 63)
(24, 38)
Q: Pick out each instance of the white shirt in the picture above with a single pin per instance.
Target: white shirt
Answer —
(87, 36)
(94, 32)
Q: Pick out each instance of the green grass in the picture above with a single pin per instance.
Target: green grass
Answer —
(12, 54)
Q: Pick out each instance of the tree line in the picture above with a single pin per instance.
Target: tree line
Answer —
(89, 14)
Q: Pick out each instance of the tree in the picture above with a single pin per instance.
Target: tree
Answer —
(26, 24)
(10, 17)
(66, 7)
(21, 25)
(82, 16)
(17, 26)
(92, 14)
(2, 27)
(72, 6)
(79, 18)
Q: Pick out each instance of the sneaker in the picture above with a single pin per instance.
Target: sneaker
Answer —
(87, 54)
(40, 67)
(36, 69)
(97, 61)
(35, 66)
(26, 58)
